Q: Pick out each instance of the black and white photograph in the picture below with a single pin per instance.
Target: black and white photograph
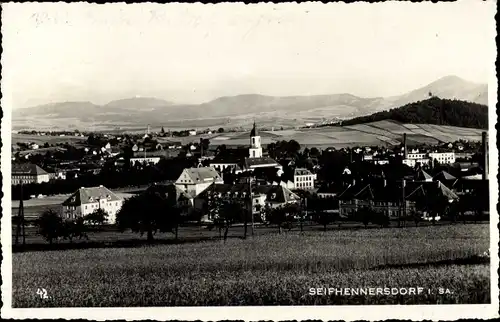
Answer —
(249, 161)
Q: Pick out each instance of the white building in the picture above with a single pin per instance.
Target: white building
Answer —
(87, 200)
(413, 162)
(416, 157)
(145, 160)
(28, 173)
(303, 179)
(192, 132)
(196, 180)
(443, 157)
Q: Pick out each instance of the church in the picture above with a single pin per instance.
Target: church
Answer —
(255, 158)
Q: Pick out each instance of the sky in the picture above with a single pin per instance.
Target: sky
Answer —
(192, 53)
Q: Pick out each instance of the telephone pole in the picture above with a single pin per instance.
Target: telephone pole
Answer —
(251, 203)
(20, 218)
(403, 204)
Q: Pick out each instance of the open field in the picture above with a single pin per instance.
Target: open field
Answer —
(266, 270)
(41, 139)
(381, 133)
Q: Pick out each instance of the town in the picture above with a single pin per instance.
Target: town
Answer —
(197, 161)
(279, 183)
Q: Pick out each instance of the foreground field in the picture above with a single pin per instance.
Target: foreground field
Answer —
(267, 270)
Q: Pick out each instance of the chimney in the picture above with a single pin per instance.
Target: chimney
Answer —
(485, 155)
(404, 146)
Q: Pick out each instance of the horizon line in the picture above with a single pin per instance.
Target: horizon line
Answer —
(172, 103)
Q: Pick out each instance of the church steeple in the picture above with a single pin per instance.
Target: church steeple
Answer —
(255, 147)
(254, 130)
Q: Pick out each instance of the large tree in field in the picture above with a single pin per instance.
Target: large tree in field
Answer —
(228, 213)
(74, 229)
(364, 215)
(50, 225)
(282, 216)
(147, 213)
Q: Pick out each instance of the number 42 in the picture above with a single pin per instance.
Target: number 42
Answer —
(42, 293)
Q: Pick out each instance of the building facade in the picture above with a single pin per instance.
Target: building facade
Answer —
(443, 157)
(196, 180)
(28, 173)
(303, 179)
(145, 160)
(87, 200)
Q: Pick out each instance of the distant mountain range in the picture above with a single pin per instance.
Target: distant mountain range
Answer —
(234, 111)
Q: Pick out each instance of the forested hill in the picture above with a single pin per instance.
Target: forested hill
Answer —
(433, 111)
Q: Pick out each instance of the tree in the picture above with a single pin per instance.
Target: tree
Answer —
(205, 143)
(162, 130)
(50, 225)
(380, 218)
(282, 216)
(364, 215)
(146, 213)
(314, 152)
(220, 130)
(97, 218)
(229, 213)
(416, 216)
(324, 218)
(73, 229)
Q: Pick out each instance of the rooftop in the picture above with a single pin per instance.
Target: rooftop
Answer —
(302, 172)
(90, 195)
(251, 162)
(202, 174)
(27, 169)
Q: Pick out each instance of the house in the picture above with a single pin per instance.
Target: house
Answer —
(34, 146)
(271, 195)
(303, 179)
(328, 191)
(87, 200)
(287, 184)
(145, 160)
(57, 175)
(196, 180)
(416, 157)
(28, 173)
(222, 165)
(192, 132)
(387, 198)
(378, 196)
(443, 157)
(444, 176)
(423, 176)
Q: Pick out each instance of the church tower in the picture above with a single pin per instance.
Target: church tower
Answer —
(255, 147)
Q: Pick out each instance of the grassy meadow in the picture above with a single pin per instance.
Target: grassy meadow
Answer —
(268, 269)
